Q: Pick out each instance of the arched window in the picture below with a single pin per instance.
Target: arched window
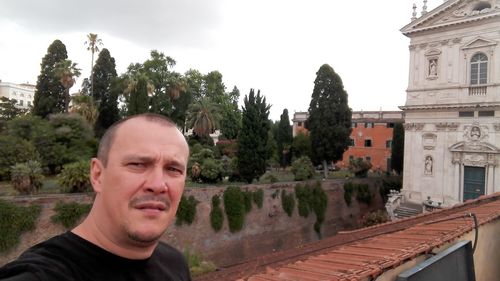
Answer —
(479, 69)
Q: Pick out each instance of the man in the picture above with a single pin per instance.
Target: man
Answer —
(138, 178)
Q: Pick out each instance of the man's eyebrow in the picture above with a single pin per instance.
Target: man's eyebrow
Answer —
(140, 158)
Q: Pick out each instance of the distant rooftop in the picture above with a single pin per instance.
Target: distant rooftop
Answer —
(368, 252)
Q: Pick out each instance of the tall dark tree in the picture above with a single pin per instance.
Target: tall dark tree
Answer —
(49, 92)
(214, 87)
(138, 96)
(397, 149)
(106, 100)
(284, 138)
(329, 120)
(252, 140)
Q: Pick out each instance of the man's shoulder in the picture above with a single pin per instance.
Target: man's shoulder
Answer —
(166, 251)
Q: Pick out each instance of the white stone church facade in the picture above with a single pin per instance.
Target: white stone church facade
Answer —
(452, 109)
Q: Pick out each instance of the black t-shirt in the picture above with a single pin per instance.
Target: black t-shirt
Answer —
(68, 257)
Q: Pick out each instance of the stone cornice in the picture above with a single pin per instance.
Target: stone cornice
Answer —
(448, 106)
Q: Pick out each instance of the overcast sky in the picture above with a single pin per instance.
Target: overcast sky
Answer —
(276, 46)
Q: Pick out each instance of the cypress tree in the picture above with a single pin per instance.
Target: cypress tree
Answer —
(284, 138)
(252, 140)
(329, 119)
(49, 92)
(397, 149)
(107, 100)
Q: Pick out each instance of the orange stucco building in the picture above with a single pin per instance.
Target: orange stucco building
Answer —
(371, 136)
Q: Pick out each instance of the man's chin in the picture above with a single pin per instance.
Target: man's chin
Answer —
(144, 239)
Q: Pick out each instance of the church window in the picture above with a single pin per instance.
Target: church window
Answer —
(478, 69)
(466, 114)
(486, 113)
(351, 143)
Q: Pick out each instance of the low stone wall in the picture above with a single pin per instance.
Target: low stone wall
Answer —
(265, 231)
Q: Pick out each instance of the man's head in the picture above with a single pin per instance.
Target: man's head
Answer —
(138, 177)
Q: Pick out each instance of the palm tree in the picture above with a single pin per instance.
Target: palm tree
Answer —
(93, 46)
(203, 116)
(66, 71)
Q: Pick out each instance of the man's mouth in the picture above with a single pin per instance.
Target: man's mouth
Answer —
(159, 206)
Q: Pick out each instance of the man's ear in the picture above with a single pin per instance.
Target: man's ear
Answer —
(96, 170)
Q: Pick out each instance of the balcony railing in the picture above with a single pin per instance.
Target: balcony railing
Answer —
(478, 90)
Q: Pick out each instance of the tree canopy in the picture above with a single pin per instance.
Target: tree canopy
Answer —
(252, 140)
(329, 121)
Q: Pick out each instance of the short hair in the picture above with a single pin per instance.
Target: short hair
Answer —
(109, 136)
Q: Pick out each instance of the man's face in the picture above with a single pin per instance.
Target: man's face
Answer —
(139, 190)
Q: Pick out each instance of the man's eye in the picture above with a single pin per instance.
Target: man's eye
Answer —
(135, 164)
(173, 169)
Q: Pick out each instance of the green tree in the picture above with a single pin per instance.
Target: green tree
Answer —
(138, 96)
(9, 110)
(231, 116)
(329, 120)
(203, 117)
(301, 145)
(66, 71)
(14, 150)
(42, 136)
(213, 86)
(106, 99)
(252, 140)
(49, 92)
(284, 138)
(85, 106)
(397, 149)
(93, 46)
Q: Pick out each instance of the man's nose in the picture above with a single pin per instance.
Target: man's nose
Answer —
(156, 181)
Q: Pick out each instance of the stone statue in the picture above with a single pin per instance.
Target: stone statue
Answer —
(433, 67)
(428, 165)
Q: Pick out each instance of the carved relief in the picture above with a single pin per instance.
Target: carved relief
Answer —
(457, 158)
(441, 126)
(476, 159)
(414, 126)
(496, 126)
(429, 141)
(475, 133)
(449, 126)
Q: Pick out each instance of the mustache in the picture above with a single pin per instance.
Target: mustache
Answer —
(149, 198)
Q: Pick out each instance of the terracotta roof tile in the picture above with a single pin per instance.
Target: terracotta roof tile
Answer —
(371, 251)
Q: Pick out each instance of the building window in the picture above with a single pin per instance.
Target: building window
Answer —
(299, 124)
(29, 103)
(478, 69)
(390, 125)
(368, 143)
(368, 125)
(489, 113)
(351, 158)
(353, 125)
(466, 114)
(351, 143)
(388, 144)
(21, 102)
(368, 159)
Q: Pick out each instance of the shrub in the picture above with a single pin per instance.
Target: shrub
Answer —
(216, 215)
(248, 198)
(388, 184)
(376, 217)
(14, 220)
(14, 150)
(303, 194)
(302, 168)
(234, 206)
(197, 265)
(186, 211)
(363, 194)
(359, 167)
(287, 202)
(269, 177)
(348, 190)
(27, 177)
(69, 214)
(258, 197)
(319, 204)
(75, 177)
(211, 170)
